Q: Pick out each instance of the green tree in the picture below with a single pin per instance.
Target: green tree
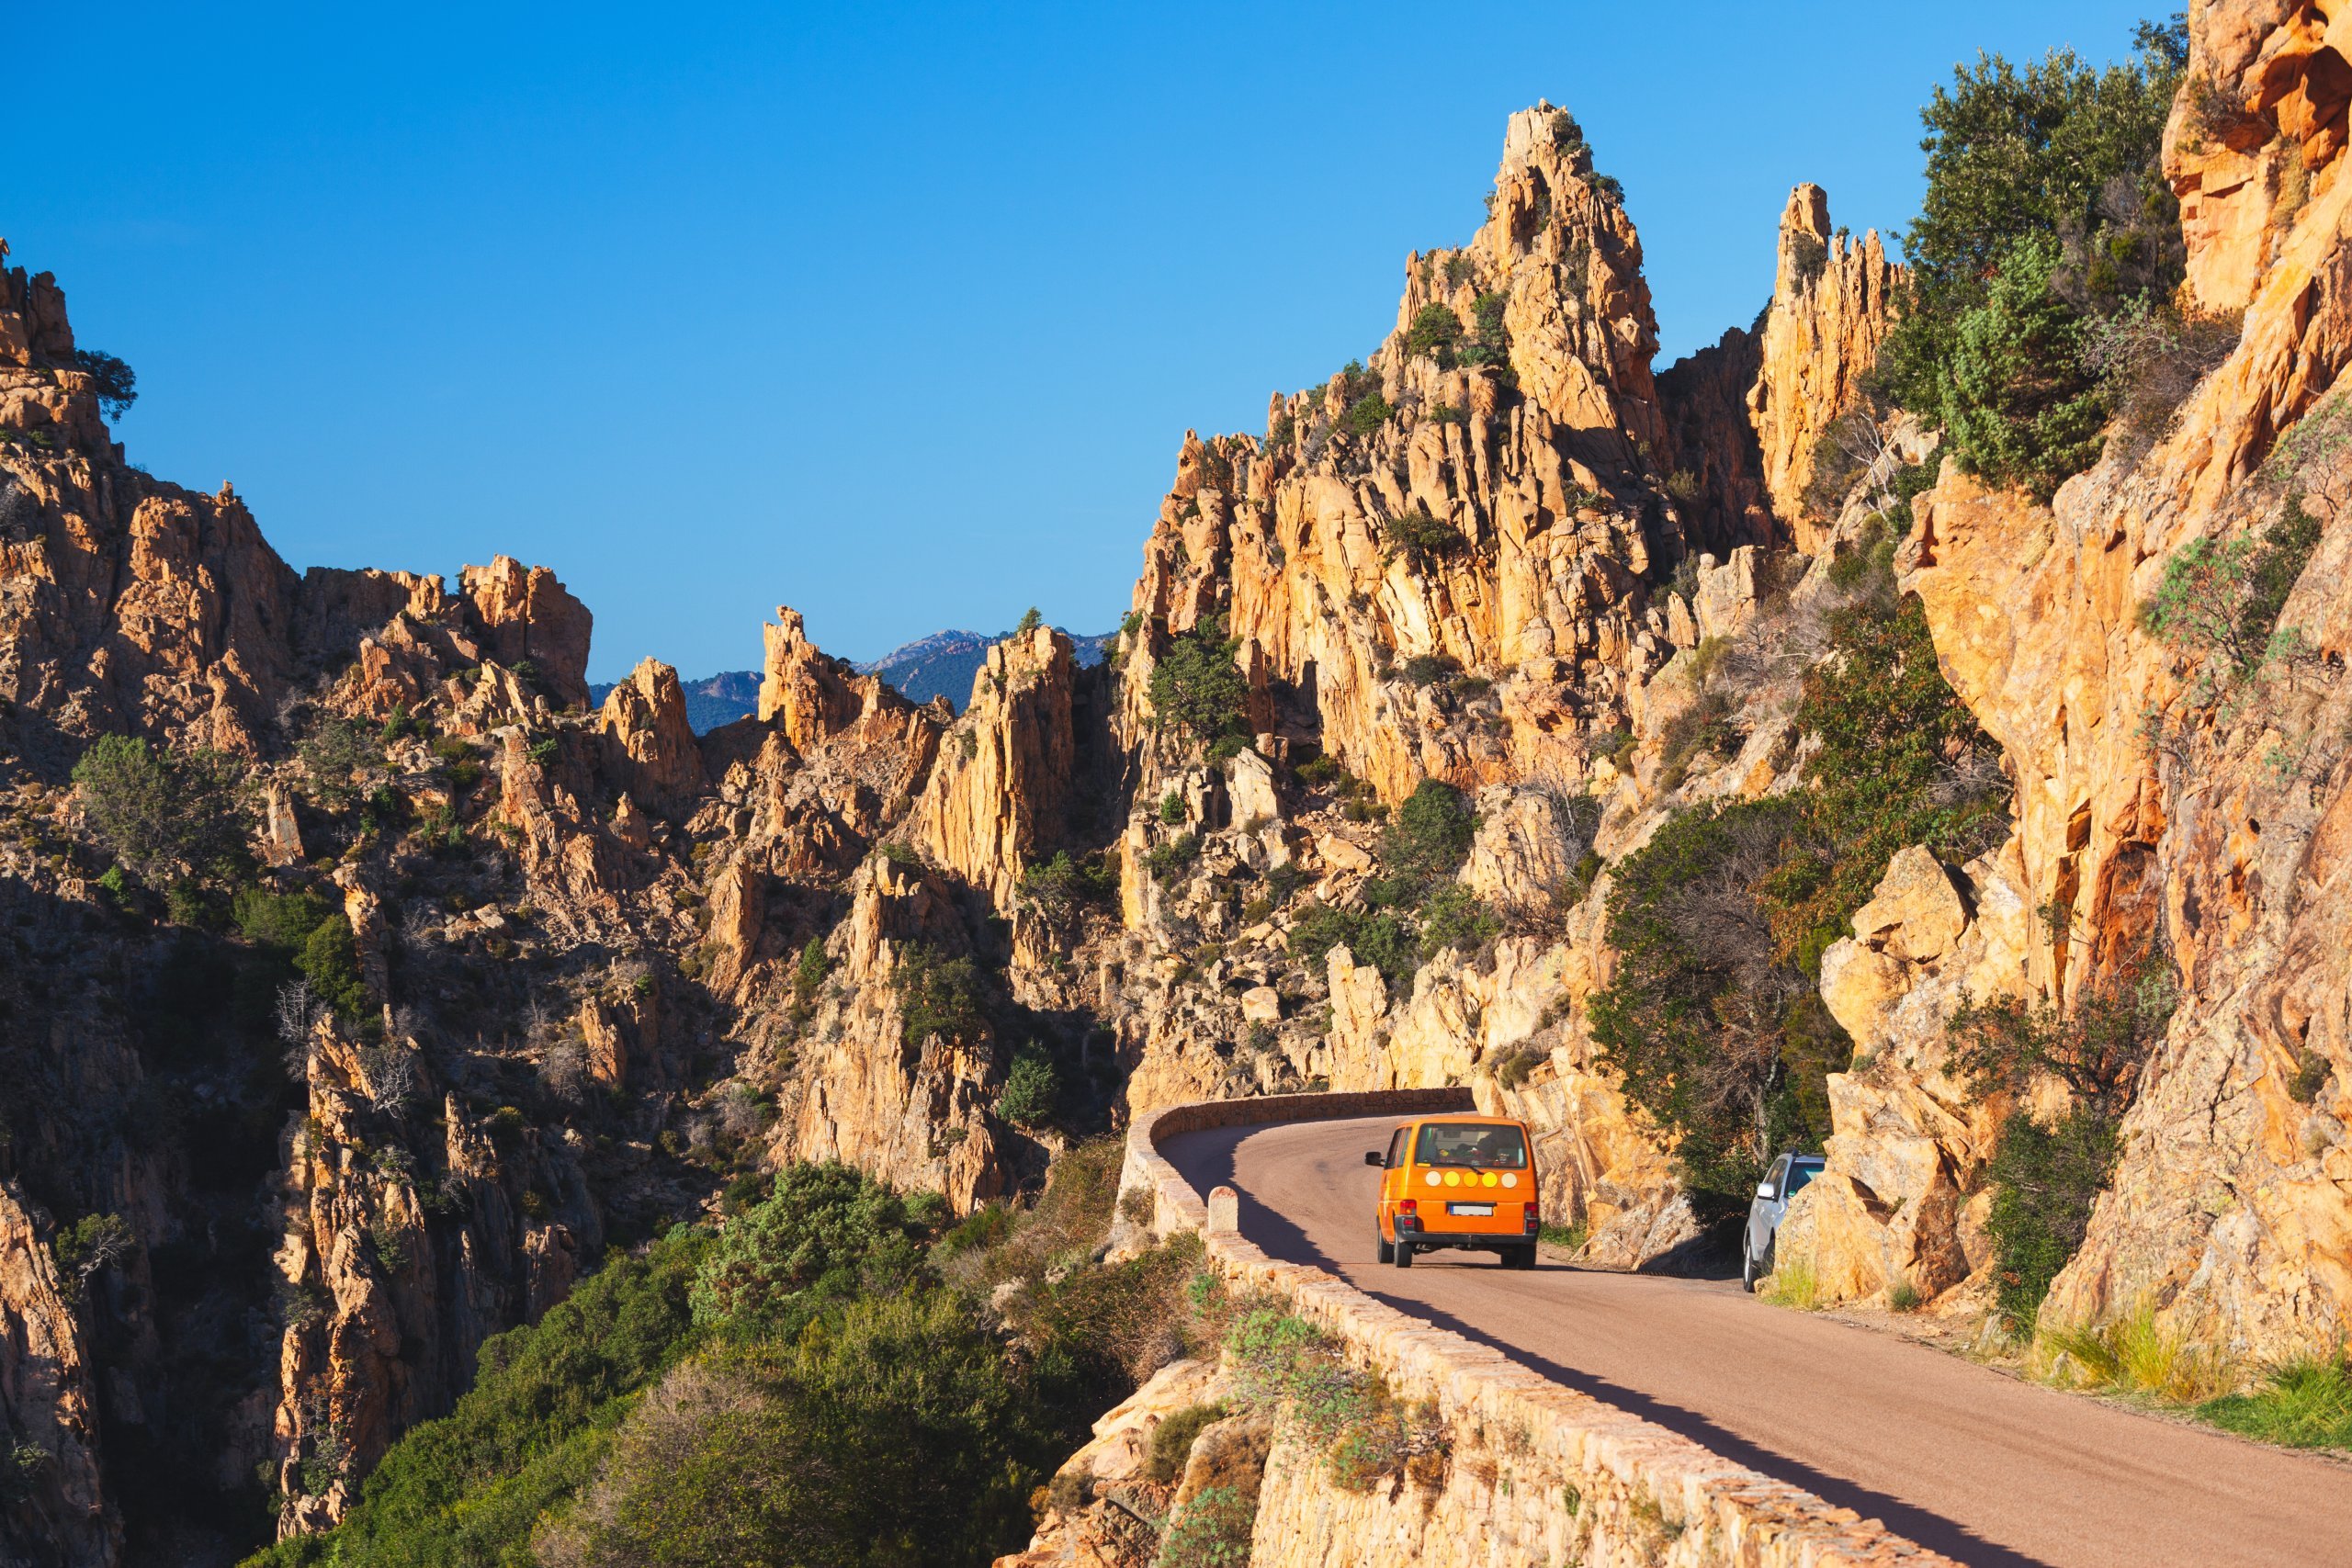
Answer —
(165, 815)
(1197, 687)
(117, 384)
(1435, 329)
(2045, 208)
(1032, 1090)
(937, 995)
(825, 1233)
(1030, 621)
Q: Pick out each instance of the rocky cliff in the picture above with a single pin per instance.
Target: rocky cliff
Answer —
(491, 983)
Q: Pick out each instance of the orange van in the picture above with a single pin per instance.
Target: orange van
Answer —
(1460, 1182)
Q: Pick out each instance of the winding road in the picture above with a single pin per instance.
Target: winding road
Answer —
(1995, 1471)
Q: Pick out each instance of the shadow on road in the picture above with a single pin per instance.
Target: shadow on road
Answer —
(1206, 1160)
(1930, 1530)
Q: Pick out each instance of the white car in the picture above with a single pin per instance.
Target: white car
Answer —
(1783, 1181)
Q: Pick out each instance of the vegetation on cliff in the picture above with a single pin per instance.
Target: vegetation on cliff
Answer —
(818, 1383)
(2047, 247)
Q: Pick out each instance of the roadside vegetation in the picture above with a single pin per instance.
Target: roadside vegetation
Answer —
(1713, 1021)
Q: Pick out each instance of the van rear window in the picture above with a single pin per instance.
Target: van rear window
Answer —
(1478, 1149)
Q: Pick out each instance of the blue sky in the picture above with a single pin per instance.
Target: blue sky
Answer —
(895, 314)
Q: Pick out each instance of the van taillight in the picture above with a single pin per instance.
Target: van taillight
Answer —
(1409, 1206)
(1535, 1221)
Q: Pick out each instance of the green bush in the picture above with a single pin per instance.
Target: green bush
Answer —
(280, 920)
(2046, 209)
(1432, 832)
(1197, 687)
(808, 972)
(2044, 1179)
(936, 996)
(1032, 1090)
(1172, 1442)
(466, 1491)
(1063, 884)
(825, 1233)
(1488, 343)
(333, 753)
(2220, 599)
(330, 960)
(1366, 414)
(1171, 808)
(1169, 860)
(1422, 539)
(163, 815)
(1435, 329)
(1382, 938)
(2304, 1403)
(1455, 918)
(897, 1432)
(1212, 1530)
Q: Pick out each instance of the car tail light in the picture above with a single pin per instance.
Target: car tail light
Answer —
(1535, 1221)
(1409, 1206)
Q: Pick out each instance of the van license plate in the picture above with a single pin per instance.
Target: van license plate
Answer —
(1469, 1208)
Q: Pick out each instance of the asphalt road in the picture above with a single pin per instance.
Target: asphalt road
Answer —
(1984, 1468)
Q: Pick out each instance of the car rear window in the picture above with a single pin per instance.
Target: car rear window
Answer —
(1801, 1172)
(1476, 1147)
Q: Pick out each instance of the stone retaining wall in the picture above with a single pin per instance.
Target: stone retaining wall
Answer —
(1539, 1474)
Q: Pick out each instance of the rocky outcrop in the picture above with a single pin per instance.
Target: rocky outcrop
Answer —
(49, 1436)
(1833, 301)
(1001, 792)
(812, 695)
(526, 615)
(1748, 415)
(1493, 521)
(644, 722)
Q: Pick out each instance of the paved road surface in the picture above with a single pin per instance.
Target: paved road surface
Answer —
(1995, 1471)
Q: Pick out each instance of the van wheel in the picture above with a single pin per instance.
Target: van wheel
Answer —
(1526, 1257)
(1385, 1248)
(1404, 1253)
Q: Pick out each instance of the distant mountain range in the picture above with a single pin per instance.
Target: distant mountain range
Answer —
(942, 665)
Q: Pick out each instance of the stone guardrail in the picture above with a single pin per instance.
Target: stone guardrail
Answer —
(1589, 1482)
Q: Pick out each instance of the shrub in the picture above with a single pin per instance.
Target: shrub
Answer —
(1422, 539)
(1062, 885)
(1488, 346)
(2220, 599)
(1032, 1089)
(544, 1402)
(1171, 808)
(897, 1430)
(1435, 329)
(280, 920)
(1213, 1530)
(808, 972)
(1197, 687)
(117, 384)
(91, 1244)
(2045, 209)
(1427, 669)
(936, 996)
(1366, 414)
(1169, 860)
(825, 1233)
(1432, 832)
(1030, 621)
(2044, 1179)
(1383, 938)
(1719, 1042)
(1455, 918)
(2133, 1353)
(163, 815)
(1172, 1442)
(330, 962)
(333, 753)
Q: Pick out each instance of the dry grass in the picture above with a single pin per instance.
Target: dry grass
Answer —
(2130, 1354)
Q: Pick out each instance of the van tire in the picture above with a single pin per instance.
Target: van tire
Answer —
(1383, 1247)
(1520, 1257)
(1404, 1253)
